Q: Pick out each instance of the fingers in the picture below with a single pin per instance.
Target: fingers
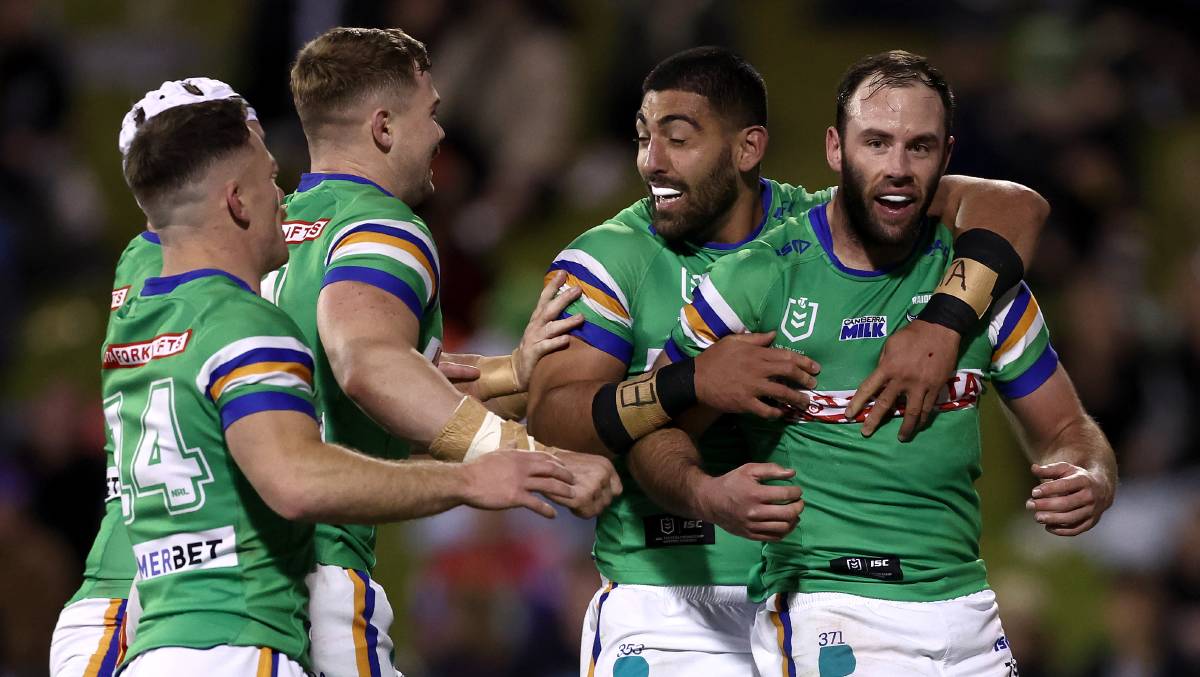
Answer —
(755, 339)
(865, 392)
(560, 327)
(1053, 470)
(1060, 487)
(880, 412)
(915, 415)
(614, 484)
(1066, 503)
(777, 391)
(549, 467)
(781, 495)
(556, 490)
(1064, 520)
(550, 287)
(761, 409)
(458, 373)
(537, 505)
(768, 471)
(551, 303)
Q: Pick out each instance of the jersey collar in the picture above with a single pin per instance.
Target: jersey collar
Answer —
(312, 180)
(151, 237)
(820, 226)
(156, 286)
(766, 193)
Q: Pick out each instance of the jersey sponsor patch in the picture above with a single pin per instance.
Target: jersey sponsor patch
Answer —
(866, 327)
(211, 549)
(663, 531)
(829, 406)
(295, 232)
(125, 355)
(118, 297)
(879, 567)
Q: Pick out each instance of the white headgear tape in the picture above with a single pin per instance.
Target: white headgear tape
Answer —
(171, 94)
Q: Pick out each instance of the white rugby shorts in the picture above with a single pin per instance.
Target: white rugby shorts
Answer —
(89, 638)
(234, 661)
(827, 634)
(351, 618)
(641, 630)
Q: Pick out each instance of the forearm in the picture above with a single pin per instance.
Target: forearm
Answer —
(331, 484)
(398, 388)
(562, 417)
(668, 467)
(1080, 442)
(511, 407)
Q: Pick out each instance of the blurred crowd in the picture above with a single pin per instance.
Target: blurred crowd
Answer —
(1094, 104)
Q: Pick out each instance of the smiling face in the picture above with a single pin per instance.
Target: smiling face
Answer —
(891, 155)
(419, 135)
(686, 157)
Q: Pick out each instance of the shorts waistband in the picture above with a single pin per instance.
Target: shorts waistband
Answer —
(708, 594)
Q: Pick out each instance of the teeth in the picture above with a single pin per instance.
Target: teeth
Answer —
(895, 198)
(664, 192)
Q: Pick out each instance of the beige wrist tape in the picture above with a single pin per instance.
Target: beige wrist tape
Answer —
(639, 406)
(473, 431)
(497, 377)
(971, 282)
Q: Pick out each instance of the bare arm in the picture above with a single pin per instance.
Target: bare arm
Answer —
(561, 392)
(1071, 457)
(1013, 211)
(304, 479)
(919, 358)
(732, 376)
(668, 467)
(370, 337)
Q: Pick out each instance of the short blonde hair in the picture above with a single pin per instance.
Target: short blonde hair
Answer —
(343, 65)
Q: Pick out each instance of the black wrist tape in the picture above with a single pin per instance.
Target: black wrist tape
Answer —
(985, 267)
(623, 412)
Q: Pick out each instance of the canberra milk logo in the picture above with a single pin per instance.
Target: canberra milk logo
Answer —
(868, 327)
(799, 318)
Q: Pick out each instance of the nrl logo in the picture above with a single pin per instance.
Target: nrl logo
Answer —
(688, 283)
(799, 318)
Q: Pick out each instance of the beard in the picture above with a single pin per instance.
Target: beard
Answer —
(712, 198)
(864, 224)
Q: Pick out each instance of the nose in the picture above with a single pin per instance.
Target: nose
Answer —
(652, 158)
(899, 165)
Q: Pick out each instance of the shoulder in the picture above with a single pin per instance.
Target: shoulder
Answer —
(796, 200)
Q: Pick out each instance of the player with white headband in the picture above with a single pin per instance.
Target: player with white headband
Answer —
(91, 635)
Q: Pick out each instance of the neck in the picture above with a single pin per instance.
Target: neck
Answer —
(182, 254)
(742, 218)
(852, 250)
(341, 162)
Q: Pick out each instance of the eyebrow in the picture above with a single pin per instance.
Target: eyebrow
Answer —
(922, 138)
(668, 119)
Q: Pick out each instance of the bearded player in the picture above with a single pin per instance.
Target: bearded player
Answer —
(882, 576)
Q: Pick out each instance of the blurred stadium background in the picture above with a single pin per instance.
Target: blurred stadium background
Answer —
(1094, 104)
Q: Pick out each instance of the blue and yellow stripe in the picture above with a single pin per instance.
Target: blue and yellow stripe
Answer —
(390, 236)
(366, 635)
(268, 663)
(594, 289)
(260, 361)
(111, 649)
(596, 642)
(783, 632)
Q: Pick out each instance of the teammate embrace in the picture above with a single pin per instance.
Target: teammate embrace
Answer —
(270, 363)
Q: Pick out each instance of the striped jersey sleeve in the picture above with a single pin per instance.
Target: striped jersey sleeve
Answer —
(703, 322)
(1022, 357)
(396, 256)
(258, 373)
(605, 302)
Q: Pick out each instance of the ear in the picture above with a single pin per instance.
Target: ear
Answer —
(383, 129)
(949, 149)
(751, 149)
(833, 150)
(233, 201)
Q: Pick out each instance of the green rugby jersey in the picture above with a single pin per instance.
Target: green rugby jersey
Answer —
(344, 227)
(184, 360)
(881, 519)
(109, 569)
(634, 284)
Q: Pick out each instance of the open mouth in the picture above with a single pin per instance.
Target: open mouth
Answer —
(665, 197)
(895, 203)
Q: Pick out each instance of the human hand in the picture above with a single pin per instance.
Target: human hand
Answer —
(595, 485)
(545, 333)
(736, 372)
(1070, 499)
(509, 478)
(741, 504)
(914, 366)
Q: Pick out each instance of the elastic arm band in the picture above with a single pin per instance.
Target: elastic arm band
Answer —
(624, 412)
